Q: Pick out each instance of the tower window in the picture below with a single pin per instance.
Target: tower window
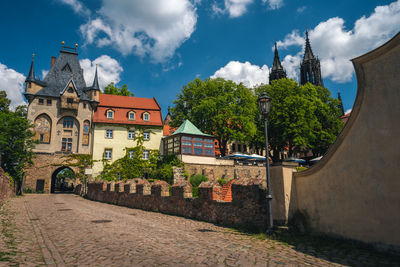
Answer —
(70, 90)
(41, 101)
(68, 122)
(84, 105)
(49, 102)
(70, 100)
(66, 144)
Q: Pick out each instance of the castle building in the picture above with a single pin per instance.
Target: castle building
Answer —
(117, 121)
(277, 71)
(61, 109)
(310, 68)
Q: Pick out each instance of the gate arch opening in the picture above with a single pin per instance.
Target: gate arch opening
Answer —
(62, 180)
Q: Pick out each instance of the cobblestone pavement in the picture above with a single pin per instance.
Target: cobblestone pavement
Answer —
(67, 230)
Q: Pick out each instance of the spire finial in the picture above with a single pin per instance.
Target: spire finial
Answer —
(95, 85)
(31, 75)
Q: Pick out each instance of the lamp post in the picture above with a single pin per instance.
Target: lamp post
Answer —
(264, 105)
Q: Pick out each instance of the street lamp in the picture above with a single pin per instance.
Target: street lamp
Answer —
(264, 105)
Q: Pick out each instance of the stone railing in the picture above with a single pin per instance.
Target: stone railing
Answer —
(247, 208)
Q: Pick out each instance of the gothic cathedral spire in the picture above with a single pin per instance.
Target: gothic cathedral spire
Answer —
(310, 68)
(31, 75)
(277, 71)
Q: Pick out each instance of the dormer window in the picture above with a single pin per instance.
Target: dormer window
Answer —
(146, 116)
(131, 115)
(110, 114)
(67, 68)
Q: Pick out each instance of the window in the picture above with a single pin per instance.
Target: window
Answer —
(208, 145)
(68, 122)
(66, 144)
(131, 154)
(84, 105)
(146, 116)
(110, 114)
(198, 139)
(198, 151)
(209, 140)
(107, 153)
(41, 138)
(131, 115)
(146, 135)
(86, 127)
(48, 102)
(41, 101)
(186, 143)
(109, 134)
(70, 90)
(186, 150)
(209, 152)
(198, 144)
(146, 154)
(70, 100)
(186, 138)
(131, 134)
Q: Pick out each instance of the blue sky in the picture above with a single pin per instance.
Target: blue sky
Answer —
(157, 46)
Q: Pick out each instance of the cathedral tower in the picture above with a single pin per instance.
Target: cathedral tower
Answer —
(310, 69)
(277, 71)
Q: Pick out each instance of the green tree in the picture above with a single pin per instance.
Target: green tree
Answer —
(219, 107)
(111, 89)
(302, 118)
(16, 141)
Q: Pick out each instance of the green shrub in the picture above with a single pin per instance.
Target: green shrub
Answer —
(197, 179)
(195, 192)
(222, 182)
(28, 190)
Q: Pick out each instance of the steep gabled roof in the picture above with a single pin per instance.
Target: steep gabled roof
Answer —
(187, 127)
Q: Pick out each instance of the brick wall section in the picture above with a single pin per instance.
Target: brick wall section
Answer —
(247, 209)
(5, 188)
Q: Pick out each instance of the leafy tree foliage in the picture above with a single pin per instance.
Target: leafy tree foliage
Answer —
(219, 107)
(16, 141)
(111, 89)
(302, 118)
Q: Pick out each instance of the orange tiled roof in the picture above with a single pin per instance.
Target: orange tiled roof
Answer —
(121, 105)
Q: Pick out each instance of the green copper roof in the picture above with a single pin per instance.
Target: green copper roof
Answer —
(187, 127)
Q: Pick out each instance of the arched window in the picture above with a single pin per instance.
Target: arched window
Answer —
(131, 115)
(110, 114)
(86, 130)
(146, 116)
(42, 129)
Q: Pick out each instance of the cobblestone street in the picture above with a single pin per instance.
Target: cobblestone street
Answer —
(67, 230)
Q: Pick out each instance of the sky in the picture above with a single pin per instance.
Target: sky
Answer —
(158, 46)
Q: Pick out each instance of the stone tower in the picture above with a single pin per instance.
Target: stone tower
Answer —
(310, 69)
(61, 109)
(277, 71)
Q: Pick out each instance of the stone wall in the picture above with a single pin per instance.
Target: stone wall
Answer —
(215, 172)
(247, 208)
(5, 188)
(353, 192)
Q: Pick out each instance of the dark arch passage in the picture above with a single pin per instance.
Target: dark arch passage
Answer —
(62, 180)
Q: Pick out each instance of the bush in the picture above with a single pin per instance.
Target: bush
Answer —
(222, 182)
(28, 190)
(195, 181)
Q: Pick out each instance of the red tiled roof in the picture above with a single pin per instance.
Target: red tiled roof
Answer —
(121, 105)
(128, 102)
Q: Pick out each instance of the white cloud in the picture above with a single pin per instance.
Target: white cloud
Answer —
(273, 4)
(347, 111)
(235, 8)
(153, 27)
(301, 9)
(13, 83)
(77, 6)
(108, 70)
(291, 64)
(335, 45)
(246, 73)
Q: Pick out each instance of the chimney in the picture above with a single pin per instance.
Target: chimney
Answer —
(53, 60)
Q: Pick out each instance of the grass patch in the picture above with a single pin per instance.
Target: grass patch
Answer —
(7, 235)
